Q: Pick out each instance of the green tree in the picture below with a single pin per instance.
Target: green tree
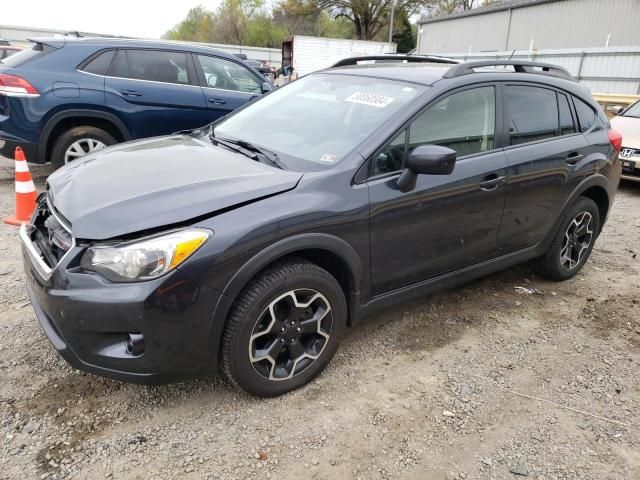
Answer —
(298, 17)
(262, 31)
(335, 27)
(247, 22)
(369, 18)
(232, 18)
(404, 38)
(196, 27)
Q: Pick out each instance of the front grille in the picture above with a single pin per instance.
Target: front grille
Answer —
(51, 238)
(627, 152)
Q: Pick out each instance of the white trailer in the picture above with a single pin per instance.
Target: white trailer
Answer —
(308, 54)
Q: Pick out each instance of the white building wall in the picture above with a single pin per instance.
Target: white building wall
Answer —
(602, 70)
(552, 24)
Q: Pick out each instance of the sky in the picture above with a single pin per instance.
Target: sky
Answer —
(136, 18)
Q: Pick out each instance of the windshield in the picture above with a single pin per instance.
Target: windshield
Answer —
(319, 118)
(633, 111)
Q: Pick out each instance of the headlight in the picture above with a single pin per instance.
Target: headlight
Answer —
(144, 259)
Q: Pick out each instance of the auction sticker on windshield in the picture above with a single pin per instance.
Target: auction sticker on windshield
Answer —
(371, 99)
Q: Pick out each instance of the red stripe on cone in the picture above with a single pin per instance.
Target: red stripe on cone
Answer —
(25, 201)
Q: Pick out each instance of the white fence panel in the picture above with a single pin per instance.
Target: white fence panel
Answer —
(603, 70)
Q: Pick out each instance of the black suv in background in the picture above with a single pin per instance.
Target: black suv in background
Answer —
(254, 242)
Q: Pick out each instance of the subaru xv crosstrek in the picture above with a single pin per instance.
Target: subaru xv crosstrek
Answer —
(253, 243)
(66, 97)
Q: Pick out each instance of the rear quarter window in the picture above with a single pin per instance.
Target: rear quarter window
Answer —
(98, 64)
(566, 118)
(586, 114)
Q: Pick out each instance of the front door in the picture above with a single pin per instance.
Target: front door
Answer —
(226, 85)
(446, 222)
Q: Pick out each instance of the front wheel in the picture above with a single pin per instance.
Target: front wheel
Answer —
(284, 328)
(573, 242)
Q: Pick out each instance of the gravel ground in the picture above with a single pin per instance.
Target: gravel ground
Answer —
(476, 382)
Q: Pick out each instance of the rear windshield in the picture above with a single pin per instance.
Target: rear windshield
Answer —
(633, 111)
(26, 55)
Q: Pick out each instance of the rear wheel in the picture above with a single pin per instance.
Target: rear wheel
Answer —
(573, 242)
(284, 328)
(77, 142)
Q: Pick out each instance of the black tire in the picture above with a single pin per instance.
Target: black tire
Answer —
(550, 265)
(250, 313)
(69, 137)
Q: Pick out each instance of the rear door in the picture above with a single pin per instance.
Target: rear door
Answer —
(226, 84)
(155, 91)
(545, 154)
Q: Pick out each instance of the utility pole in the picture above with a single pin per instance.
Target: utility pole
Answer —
(393, 7)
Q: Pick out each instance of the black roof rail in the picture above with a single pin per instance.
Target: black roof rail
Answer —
(520, 66)
(394, 57)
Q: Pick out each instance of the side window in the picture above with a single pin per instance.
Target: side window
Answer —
(100, 64)
(567, 124)
(464, 122)
(153, 65)
(533, 113)
(391, 158)
(586, 115)
(228, 75)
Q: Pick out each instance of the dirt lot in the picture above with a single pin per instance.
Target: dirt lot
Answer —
(478, 382)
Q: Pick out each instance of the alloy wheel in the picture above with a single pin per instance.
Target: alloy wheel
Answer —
(577, 240)
(82, 147)
(290, 334)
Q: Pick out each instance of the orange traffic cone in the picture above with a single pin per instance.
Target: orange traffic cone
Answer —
(25, 192)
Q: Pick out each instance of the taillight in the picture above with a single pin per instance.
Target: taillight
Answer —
(616, 140)
(14, 85)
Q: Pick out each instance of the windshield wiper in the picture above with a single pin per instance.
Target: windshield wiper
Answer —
(248, 149)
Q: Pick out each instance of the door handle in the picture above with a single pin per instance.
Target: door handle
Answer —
(131, 93)
(491, 182)
(574, 157)
(216, 101)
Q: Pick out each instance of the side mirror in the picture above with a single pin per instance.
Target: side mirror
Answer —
(617, 110)
(266, 87)
(426, 160)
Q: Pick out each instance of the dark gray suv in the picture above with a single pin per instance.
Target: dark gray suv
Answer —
(252, 243)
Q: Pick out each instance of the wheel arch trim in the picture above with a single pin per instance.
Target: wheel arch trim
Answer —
(596, 180)
(287, 246)
(72, 113)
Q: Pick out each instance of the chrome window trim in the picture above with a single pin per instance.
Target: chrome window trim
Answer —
(233, 91)
(139, 79)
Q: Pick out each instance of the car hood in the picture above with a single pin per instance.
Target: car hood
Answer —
(158, 182)
(629, 128)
